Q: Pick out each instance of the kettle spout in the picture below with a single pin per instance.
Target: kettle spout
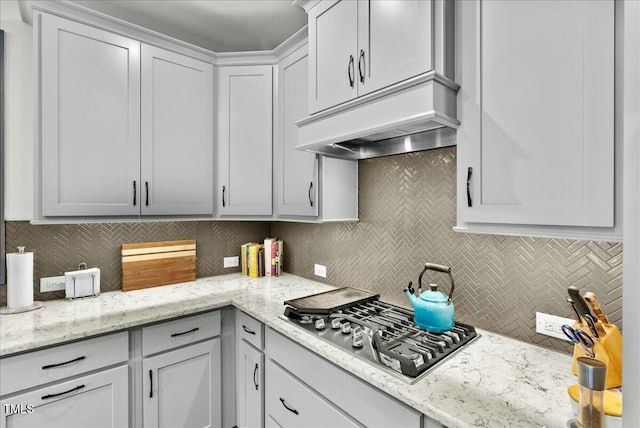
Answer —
(409, 291)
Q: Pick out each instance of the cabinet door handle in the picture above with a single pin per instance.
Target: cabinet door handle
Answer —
(248, 330)
(146, 185)
(151, 383)
(134, 193)
(361, 66)
(469, 171)
(185, 332)
(75, 360)
(77, 388)
(223, 190)
(310, 187)
(255, 376)
(351, 71)
(291, 409)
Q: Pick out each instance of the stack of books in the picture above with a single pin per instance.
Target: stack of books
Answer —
(258, 260)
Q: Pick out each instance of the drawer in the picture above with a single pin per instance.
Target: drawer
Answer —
(171, 334)
(52, 364)
(249, 329)
(290, 403)
(365, 403)
(98, 400)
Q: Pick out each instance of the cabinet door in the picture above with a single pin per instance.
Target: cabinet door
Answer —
(333, 50)
(394, 42)
(537, 113)
(245, 140)
(90, 121)
(297, 171)
(249, 386)
(177, 134)
(100, 400)
(182, 388)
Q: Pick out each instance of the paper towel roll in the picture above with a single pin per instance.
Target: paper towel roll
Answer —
(19, 279)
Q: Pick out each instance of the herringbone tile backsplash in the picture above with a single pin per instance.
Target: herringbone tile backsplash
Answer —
(407, 209)
(59, 248)
(407, 212)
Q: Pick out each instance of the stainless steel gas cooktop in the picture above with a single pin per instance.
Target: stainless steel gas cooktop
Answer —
(380, 333)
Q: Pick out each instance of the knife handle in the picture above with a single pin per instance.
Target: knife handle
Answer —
(591, 299)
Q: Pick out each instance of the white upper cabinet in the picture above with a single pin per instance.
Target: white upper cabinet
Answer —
(306, 184)
(245, 118)
(89, 121)
(394, 42)
(296, 185)
(536, 143)
(357, 47)
(124, 131)
(177, 134)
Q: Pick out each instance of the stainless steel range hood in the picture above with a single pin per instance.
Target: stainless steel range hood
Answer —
(417, 114)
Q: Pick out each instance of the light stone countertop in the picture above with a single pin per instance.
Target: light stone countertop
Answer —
(493, 382)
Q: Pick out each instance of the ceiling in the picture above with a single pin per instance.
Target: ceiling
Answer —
(216, 25)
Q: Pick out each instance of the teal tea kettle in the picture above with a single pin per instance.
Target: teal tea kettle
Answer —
(433, 310)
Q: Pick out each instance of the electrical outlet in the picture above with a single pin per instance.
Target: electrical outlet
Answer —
(551, 325)
(230, 262)
(320, 270)
(52, 283)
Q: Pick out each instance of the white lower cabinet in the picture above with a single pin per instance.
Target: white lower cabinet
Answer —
(181, 373)
(76, 385)
(249, 386)
(99, 400)
(182, 387)
(290, 403)
(304, 390)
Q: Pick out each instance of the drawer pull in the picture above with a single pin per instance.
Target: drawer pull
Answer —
(77, 388)
(134, 193)
(291, 409)
(50, 366)
(150, 383)
(248, 330)
(310, 187)
(255, 377)
(185, 332)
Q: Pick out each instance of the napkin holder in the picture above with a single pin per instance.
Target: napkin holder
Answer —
(82, 282)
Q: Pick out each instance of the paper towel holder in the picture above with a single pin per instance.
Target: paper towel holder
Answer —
(36, 304)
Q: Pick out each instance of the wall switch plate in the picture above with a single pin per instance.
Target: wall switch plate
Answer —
(52, 283)
(231, 261)
(551, 325)
(320, 270)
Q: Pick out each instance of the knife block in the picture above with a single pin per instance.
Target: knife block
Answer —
(608, 350)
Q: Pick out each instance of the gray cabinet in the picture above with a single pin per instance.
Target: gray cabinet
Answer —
(89, 83)
(75, 385)
(244, 140)
(302, 389)
(181, 372)
(249, 371)
(182, 387)
(98, 400)
(126, 130)
(249, 386)
(307, 184)
(536, 143)
(176, 173)
(358, 47)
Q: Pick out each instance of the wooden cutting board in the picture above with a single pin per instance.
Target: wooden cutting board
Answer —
(150, 264)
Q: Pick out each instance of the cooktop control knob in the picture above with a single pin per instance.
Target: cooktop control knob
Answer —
(356, 337)
(320, 324)
(336, 323)
(346, 327)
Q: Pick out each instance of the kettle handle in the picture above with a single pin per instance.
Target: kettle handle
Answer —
(438, 268)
